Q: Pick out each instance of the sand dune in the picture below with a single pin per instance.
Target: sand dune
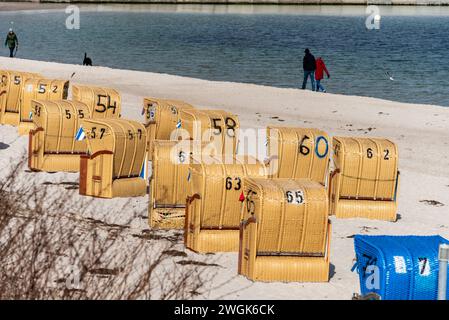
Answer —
(419, 130)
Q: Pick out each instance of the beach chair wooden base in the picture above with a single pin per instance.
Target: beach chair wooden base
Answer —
(56, 163)
(283, 268)
(96, 179)
(10, 118)
(210, 241)
(368, 209)
(166, 218)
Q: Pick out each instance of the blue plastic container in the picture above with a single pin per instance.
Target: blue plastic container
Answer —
(399, 267)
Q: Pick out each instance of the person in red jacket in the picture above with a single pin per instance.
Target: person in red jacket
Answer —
(320, 67)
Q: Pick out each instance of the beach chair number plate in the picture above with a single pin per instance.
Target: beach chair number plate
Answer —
(108, 105)
(295, 197)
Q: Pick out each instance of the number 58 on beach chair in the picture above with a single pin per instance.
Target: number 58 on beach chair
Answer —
(285, 234)
(364, 183)
(115, 164)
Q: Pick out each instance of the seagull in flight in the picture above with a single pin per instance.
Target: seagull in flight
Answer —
(389, 76)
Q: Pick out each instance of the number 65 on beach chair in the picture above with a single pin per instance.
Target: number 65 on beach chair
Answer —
(285, 234)
(115, 164)
(364, 183)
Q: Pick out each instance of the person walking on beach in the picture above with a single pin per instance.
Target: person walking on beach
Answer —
(309, 66)
(12, 42)
(319, 72)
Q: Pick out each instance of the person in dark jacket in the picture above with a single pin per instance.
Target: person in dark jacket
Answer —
(11, 42)
(309, 66)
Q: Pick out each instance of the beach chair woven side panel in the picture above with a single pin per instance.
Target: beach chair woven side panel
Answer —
(12, 83)
(213, 211)
(116, 159)
(161, 117)
(285, 235)
(102, 102)
(398, 267)
(52, 144)
(217, 126)
(298, 153)
(364, 183)
(39, 89)
(169, 182)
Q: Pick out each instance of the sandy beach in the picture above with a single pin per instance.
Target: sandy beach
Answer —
(419, 130)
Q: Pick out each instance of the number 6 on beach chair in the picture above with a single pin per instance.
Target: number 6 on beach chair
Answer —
(285, 234)
(170, 180)
(364, 183)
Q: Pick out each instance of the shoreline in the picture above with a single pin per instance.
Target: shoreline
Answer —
(420, 132)
(356, 7)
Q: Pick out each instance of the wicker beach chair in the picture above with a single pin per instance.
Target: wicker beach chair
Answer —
(52, 145)
(213, 211)
(298, 153)
(364, 183)
(39, 89)
(116, 159)
(11, 90)
(285, 235)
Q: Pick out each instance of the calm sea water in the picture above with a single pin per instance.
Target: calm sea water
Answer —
(263, 48)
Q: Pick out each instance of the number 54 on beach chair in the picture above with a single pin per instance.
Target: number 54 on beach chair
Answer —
(102, 102)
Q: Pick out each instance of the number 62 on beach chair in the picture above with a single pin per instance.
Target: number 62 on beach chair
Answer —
(364, 183)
